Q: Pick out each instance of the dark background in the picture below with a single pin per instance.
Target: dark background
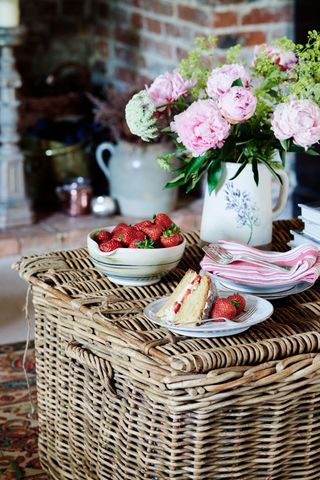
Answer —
(307, 15)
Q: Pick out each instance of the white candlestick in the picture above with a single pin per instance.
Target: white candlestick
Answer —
(9, 13)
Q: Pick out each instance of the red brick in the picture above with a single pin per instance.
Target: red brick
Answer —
(160, 7)
(153, 25)
(253, 38)
(128, 37)
(224, 19)
(194, 15)
(136, 20)
(267, 15)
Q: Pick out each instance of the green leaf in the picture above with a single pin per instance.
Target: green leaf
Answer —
(214, 175)
(255, 171)
(272, 170)
(245, 141)
(239, 170)
(282, 154)
(237, 83)
(296, 148)
(176, 182)
(195, 165)
(313, 152)
(285, 144)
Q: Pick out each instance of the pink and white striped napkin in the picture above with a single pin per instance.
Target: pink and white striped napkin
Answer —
(304, 260)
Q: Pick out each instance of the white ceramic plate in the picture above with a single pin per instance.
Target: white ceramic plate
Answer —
(262, 310)
(263, 292)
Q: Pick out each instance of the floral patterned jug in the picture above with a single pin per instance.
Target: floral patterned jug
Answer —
(240, 210)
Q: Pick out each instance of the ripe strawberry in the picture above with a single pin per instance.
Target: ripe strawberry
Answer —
(129, 234)
(171, 237)
(118, 228)
(223, 308)
(141, 225)
(110, 245)
(163, 220)
(146, 243)
(139, 236)
(171, 240)
(238, 301)
(102, 236)
(154, 232)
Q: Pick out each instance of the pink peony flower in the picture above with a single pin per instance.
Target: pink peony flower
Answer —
(284, 58)
(168, 87)
(297, 119)
(237, 105)
(201, 127)
(221, 79)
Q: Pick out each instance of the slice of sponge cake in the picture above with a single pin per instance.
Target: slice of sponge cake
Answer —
(189, 302)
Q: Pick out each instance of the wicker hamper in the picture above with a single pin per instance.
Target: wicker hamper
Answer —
(121, 399)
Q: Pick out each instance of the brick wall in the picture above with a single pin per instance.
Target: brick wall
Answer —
(147, 37)
(126, 41)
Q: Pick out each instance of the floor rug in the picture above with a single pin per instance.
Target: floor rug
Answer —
(18, 426)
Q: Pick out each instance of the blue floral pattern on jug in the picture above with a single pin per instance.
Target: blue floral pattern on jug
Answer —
(246, 210)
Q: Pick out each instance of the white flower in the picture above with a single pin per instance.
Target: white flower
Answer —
(140, 117)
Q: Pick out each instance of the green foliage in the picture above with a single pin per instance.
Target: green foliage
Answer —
(196, 65)
(253, 141)
(307, 80)
(233, 53)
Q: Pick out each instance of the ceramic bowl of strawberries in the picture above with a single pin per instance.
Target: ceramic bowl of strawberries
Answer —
(138, 254)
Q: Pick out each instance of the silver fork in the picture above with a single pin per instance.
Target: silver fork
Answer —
(222, 256)
(242, 317)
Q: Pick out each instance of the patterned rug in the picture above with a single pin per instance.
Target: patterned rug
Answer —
(18, 426)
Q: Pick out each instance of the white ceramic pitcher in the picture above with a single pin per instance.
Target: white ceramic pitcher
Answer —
(135, 178)
(239, 209)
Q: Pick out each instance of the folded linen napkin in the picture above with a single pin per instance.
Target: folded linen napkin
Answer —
(304, 261)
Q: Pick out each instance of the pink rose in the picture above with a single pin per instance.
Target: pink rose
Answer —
(284, 58)
(221, 79)
(201, 127)
(237, 105)
(297, 119)
(169, 87)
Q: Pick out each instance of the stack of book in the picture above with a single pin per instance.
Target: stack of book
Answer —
(310, 215)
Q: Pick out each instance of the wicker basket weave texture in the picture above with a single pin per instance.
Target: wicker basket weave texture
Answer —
(119, 398)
